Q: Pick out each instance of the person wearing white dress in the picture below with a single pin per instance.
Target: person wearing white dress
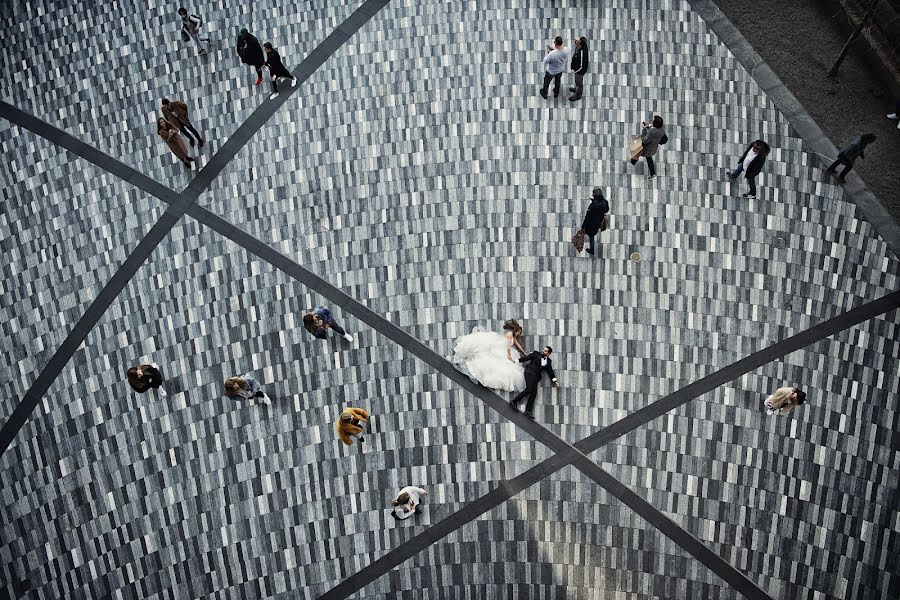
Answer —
(406, 504)
(487, 357)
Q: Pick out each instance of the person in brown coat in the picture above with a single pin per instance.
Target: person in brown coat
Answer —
(169, 134)
(784, 400)
(348, 424)
(176, 113)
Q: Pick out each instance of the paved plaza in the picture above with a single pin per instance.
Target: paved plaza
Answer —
(416, 183)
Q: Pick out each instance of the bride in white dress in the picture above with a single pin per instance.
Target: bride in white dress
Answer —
(488, 357)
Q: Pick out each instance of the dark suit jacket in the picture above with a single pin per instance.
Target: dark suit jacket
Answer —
(534, 369)
(756, 166)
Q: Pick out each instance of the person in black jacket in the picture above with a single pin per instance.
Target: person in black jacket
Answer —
(144, 377)
(251, 52)
(538, 362)
(751, 163)
(593, 219)
(580, 66)
(848, 155)
(276, 69)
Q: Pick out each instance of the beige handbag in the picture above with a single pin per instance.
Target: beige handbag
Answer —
(635, 147)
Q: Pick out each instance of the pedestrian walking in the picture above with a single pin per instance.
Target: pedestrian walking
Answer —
(169, 133)
(190, 29)
(652, 136)
(349, 425)
(276, 69)
(751, 163)
(784, 400)
(251, 52)
(176, 113)
(896, 114)
(406, 504)
(596, 219)
(554, 64)
(143, 377)
(245, 387)
(319, 320)
(537, 364)
(580, 67)
(848, 155)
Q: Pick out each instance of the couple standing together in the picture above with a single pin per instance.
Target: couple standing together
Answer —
(495, 360)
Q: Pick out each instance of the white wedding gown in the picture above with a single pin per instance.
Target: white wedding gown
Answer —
(484, 356)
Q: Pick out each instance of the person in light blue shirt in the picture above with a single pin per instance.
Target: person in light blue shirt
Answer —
(554, 64)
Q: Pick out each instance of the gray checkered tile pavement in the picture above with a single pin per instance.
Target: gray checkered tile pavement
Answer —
(419, 171)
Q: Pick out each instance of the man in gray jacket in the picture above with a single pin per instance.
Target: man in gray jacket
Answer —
(554, 64)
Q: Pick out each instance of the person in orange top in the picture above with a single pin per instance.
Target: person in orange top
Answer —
(348, 426)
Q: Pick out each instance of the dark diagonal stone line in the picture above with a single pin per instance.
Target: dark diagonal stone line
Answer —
(566, 452)
(89, 153)
(87, 321)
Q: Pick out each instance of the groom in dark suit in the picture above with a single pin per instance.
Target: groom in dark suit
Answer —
(538, 362)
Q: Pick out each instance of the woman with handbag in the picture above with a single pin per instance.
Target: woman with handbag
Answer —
(652, 136)
(406, 504)
(596, 219)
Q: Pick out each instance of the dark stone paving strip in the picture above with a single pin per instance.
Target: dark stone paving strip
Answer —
(565, 452)
(731, 372)
(264, 112)
(802, 122)
(89, 153)
(90, 318)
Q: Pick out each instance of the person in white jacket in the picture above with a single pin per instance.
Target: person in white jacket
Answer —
(406, 504)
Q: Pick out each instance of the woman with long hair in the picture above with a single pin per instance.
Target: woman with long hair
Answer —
(487, 357)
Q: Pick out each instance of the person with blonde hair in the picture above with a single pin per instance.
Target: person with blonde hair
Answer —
(348, 425)
(406, 504)
(784, 400)
(245, 387)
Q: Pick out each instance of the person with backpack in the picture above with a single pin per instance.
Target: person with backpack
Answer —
(190, 29)
(652, 137)
(751, 163)
(276, 69)
(251, 52)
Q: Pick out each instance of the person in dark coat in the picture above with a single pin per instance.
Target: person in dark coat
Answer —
(593, 219)
(251, 52)
(848, 155)
(144, 377)
(751, 163)
(319, 320)
(580, 67)
(538, 363)
(276, 69)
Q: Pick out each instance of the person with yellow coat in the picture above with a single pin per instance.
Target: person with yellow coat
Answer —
(348, 426)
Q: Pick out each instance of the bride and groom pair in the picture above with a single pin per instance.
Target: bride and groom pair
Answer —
(487, 358)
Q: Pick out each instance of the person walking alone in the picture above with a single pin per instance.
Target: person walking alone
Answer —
(348, 425)
(580, 67)
(784, 400)
(596, 219)
(538, 363)
(848, 155)
(406, 504)
(751, 163)
(245, 387)
(190, 29)
(251, 52)
(176, 113)
(319, 320)
(554, 64)
(276, 69)
(143, 377)
(651, 137)
(169, 134)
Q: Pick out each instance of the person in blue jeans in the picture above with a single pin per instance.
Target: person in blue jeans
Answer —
(319, 320)
(751, 163)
